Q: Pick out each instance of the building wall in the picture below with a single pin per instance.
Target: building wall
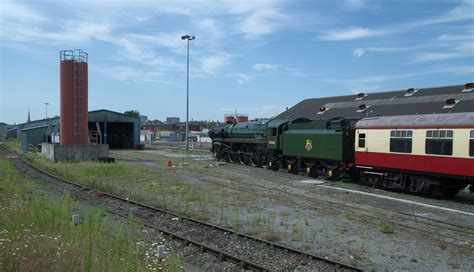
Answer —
(3, 131)
(32, 137)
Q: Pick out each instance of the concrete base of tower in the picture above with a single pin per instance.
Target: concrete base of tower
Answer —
(74, 153)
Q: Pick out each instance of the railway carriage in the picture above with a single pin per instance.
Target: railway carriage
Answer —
(430, 154)
(424, 154)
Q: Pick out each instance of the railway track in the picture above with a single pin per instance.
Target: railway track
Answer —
(227, 245)
(409, 216)
(406, 221)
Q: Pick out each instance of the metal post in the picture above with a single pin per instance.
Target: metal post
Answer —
(46, 105)
(187, 38)
(187, 103)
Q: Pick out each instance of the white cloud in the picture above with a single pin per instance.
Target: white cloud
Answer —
(361, 81)
(129, 73)
(10, 11)
(265, 66)
(447, 47)
(214, 63)
(359, 52)
(262, 22)
(171, 41)
(241, 77)
(456, 14)
(351, 33)
(353, 5)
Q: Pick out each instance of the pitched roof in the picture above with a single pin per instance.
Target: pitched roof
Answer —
(402, 102)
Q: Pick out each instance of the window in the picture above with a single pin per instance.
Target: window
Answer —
(362, 140)
(471, 144)
(401, 141)
(272, 132)
(439, 142)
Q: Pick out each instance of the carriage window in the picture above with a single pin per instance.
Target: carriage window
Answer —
(362, 140)
(439, 142)
(471, 144)
(401, 141)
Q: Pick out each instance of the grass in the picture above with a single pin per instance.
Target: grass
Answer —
(13, 144)
(38, 234)
(386, 228)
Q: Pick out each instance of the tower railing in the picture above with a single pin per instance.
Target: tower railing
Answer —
(75, 55)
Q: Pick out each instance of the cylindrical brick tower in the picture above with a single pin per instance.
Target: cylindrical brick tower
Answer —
(74, 93)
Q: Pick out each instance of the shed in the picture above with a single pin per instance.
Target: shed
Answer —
(105, 127)
(32, 137)
(412, 101)
(113, 128)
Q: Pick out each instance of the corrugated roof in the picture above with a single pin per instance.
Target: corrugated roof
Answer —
(423, 101)
(464, 119)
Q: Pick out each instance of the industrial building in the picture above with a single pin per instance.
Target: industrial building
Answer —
(105, 127)
(3, 131)
(457, 98)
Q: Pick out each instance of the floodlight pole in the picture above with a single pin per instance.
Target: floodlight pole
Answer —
(187, 38)
(46, 106)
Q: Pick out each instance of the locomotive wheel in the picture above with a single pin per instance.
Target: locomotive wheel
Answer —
(256, 160)
(451, 192)
(219, 153)
(244, 158)
(227, 157)
(253, 160)
(292, 167)
(275, 165)
(233, 157)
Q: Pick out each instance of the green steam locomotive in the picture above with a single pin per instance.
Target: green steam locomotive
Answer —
(289, 145)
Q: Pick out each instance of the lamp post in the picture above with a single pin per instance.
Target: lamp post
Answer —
(46, 106)
(187, 38)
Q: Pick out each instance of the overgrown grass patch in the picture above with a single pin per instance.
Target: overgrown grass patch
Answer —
(386, 228)
(38, 234)
(13, 144)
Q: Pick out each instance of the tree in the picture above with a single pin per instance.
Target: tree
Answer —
(132, 113)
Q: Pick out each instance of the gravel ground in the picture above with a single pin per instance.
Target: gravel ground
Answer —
(249, 249)
(362, 230)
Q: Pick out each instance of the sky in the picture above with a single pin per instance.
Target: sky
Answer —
(255, 57)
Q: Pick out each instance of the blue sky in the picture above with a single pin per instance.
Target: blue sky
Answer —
(256, 57)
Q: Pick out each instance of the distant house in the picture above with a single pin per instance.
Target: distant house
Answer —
(143, 119)
(172, 120)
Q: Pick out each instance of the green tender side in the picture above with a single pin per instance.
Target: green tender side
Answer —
(313, 143)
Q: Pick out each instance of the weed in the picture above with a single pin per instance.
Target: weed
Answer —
(38, 234)
(272, 237)
(386, 228)
(350, 216)
(256, 221)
